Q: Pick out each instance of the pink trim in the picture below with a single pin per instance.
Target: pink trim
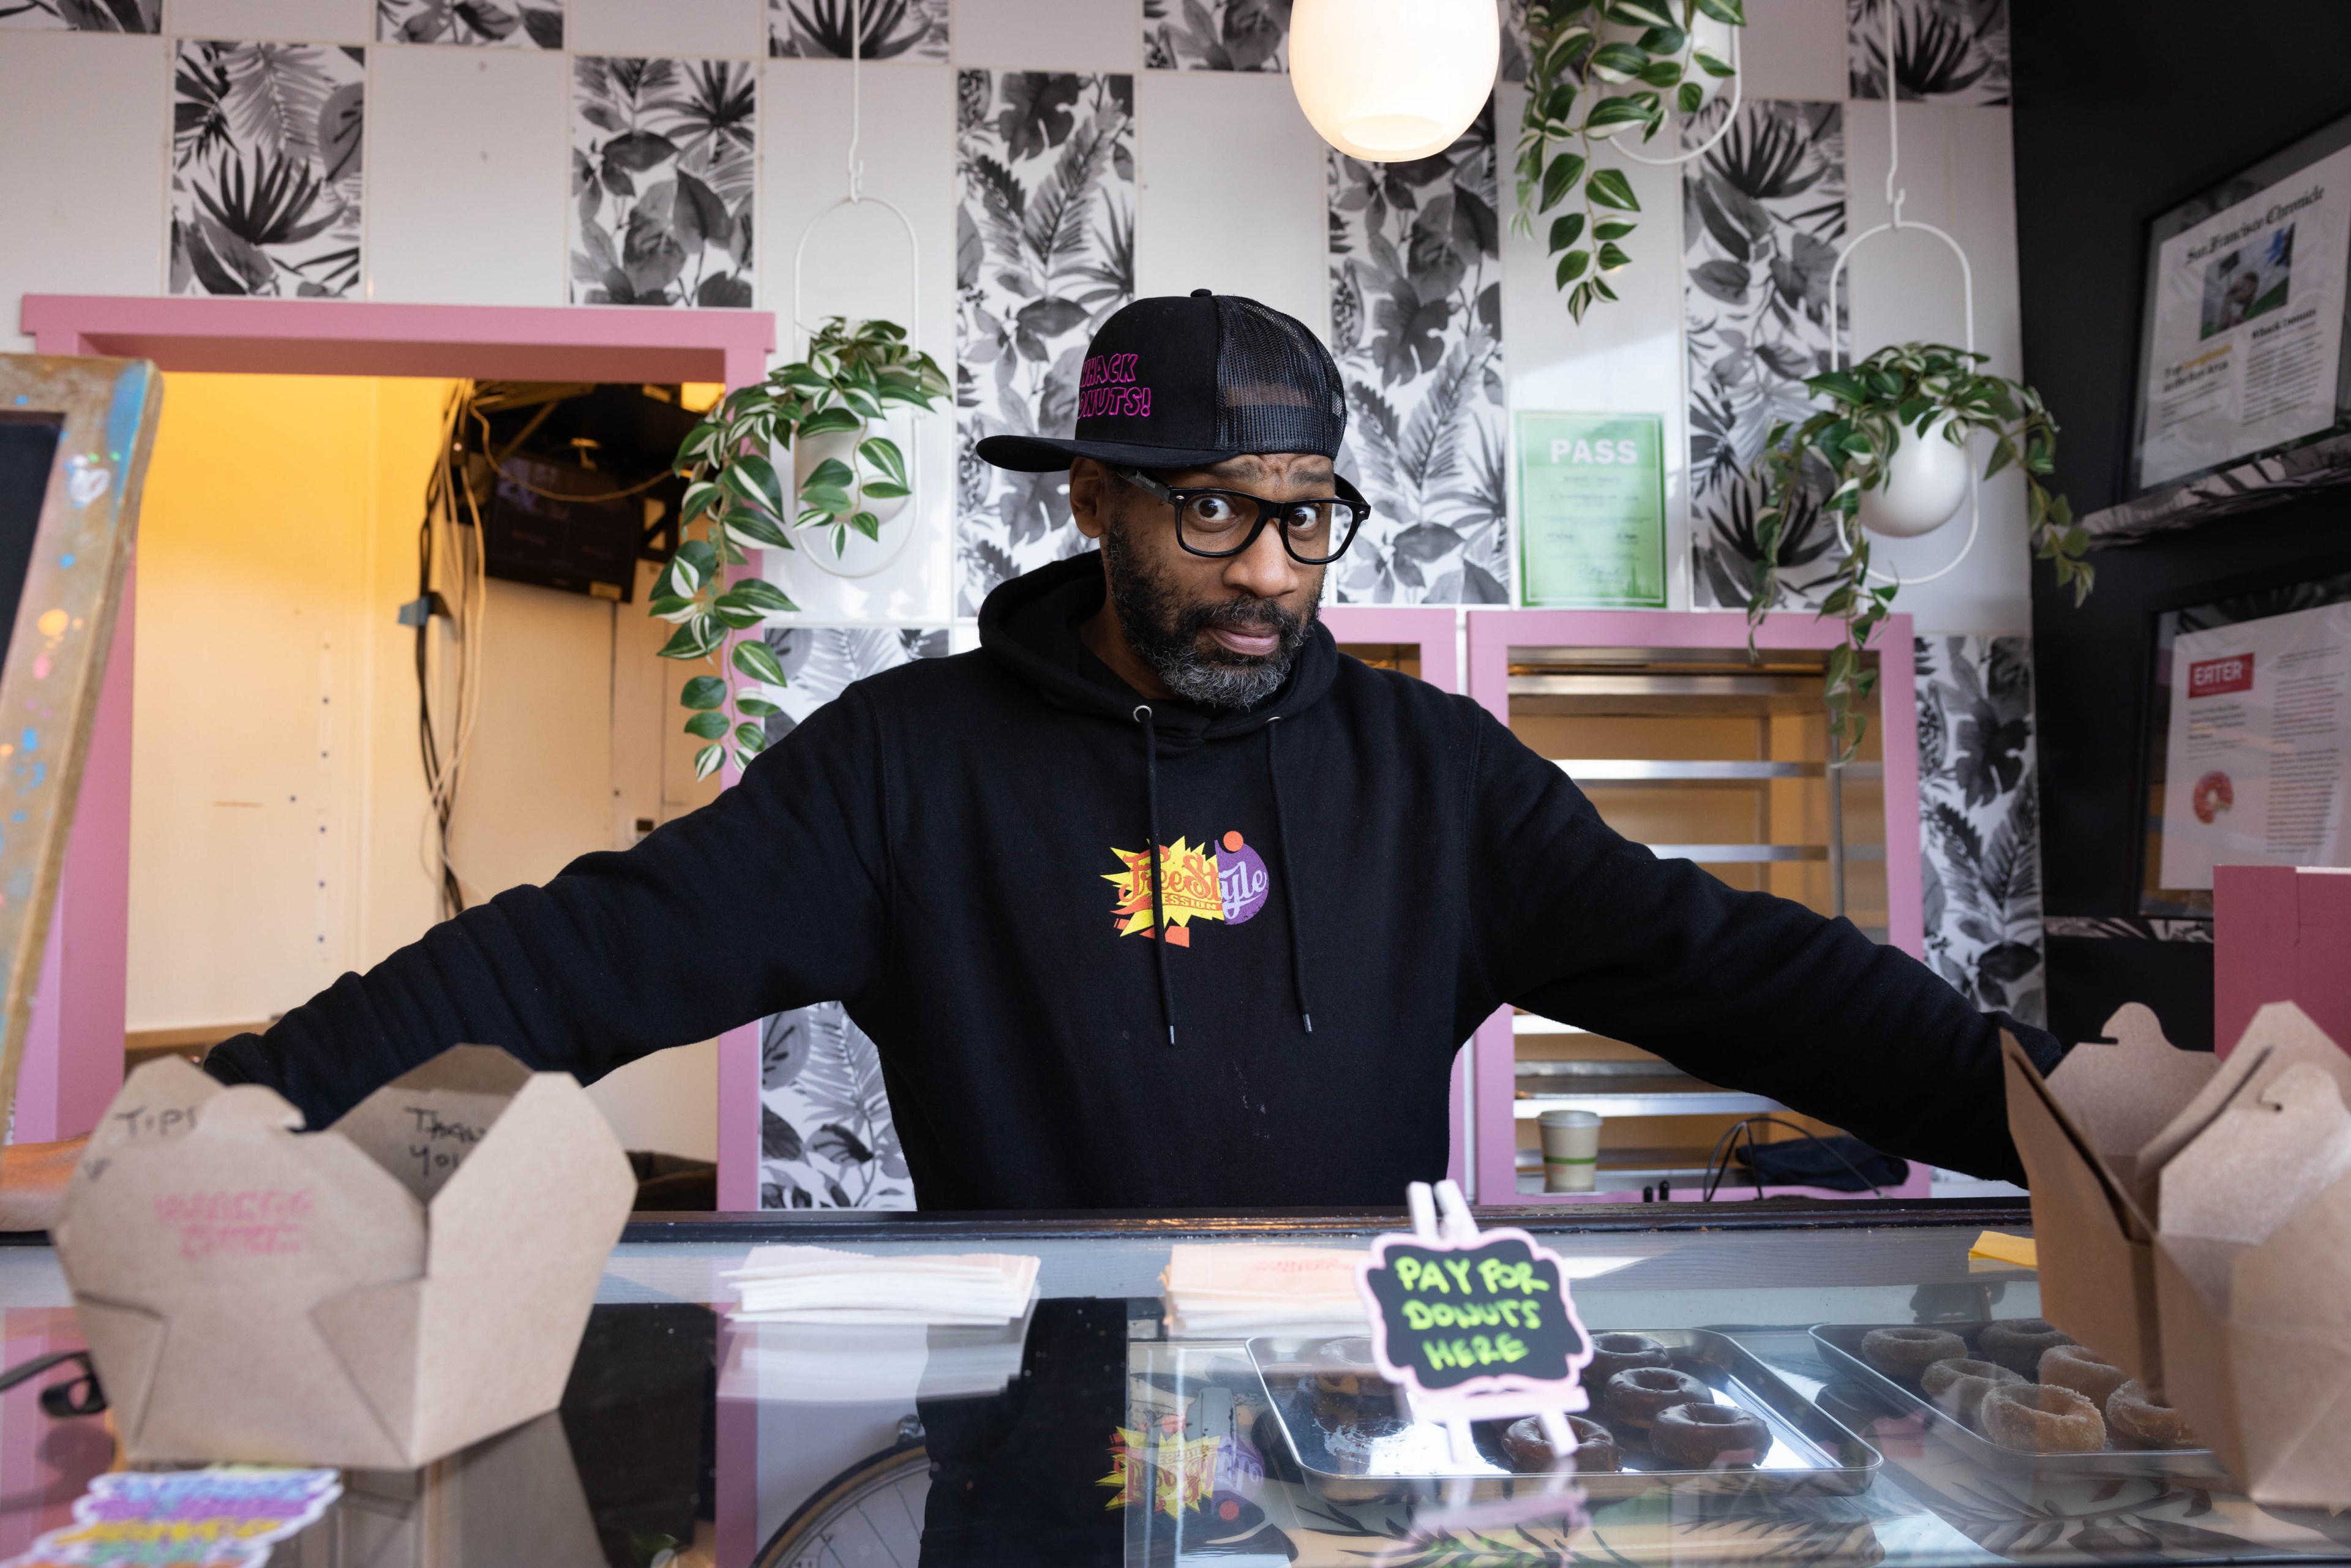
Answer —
(1897, 708)
(1497, 1051)
(735, 1463)
(353, 337)
(1431, 626)
(332, 337)
(72, 1065)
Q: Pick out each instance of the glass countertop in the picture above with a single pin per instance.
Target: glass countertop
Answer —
(1087, 1434)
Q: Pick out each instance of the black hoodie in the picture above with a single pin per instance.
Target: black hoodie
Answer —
(1355, 874)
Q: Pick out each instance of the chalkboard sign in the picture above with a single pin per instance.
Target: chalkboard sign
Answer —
(1476, 1328)
(75, 434)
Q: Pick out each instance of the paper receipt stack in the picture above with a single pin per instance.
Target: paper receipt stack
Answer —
(2193, 1218)
(1226, 1290)
(820, 1285)
(376, 1295)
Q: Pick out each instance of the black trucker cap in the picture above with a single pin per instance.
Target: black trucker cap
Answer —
(1184, 382)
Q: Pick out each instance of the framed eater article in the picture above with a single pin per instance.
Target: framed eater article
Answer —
(2242, 332)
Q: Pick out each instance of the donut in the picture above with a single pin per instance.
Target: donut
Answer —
(1708, 1436)
(1903, 1353)
(2071, 1366)
(2138, 1422)
(1635, 1396)
(1344, 1398)
(2017, 1344)
(1531, 1452)
(1616, 1352)
(2042, 1419)
(1957, 1386)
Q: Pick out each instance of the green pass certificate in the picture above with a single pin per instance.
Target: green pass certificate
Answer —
(1592, 509)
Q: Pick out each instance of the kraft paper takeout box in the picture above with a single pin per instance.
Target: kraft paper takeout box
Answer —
(376, 1295)
(2210, 1256)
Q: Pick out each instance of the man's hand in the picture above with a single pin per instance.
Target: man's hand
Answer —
(33, 1180)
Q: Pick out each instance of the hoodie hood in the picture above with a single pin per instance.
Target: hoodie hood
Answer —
(1029, 625)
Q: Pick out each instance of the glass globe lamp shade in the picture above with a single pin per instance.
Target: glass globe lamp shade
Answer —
(1391, 81)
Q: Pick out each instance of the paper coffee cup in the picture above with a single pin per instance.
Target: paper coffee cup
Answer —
(1571, 1144)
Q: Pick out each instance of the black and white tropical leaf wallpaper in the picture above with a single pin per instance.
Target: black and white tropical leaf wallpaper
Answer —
(662, 181)
(1945, 51)
(266, 169)
(1979, 821)
(82, 16)
(1416, 325)
(1044, 254)
(1762, 218)
(1215, 34)
(826, 1139)
(827, 29)
(513, 24)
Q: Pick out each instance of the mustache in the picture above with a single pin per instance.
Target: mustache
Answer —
(1256, 615)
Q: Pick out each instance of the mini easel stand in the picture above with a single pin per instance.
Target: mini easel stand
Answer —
(1551, 1341)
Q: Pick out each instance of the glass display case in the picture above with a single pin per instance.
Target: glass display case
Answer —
(1086, 1433)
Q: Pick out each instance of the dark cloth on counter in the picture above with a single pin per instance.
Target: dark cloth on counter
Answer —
(1362, 869)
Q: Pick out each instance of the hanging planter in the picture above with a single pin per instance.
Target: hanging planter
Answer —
(1598, 69)
(844, 477)
(1894, 431)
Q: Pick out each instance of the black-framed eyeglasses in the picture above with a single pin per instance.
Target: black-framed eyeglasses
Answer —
(1218, 524)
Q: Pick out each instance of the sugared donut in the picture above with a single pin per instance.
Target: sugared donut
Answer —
(2042, 1419)
(1903, 1353)
(1530, 1453)
(2075, 1367)
(2138, 1422)
(1616, 1352)
(2018, 1344)
(1708, 1436)
(1958, 1386)
(1634, 1397)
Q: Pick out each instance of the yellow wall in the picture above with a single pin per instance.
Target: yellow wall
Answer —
(277, 802)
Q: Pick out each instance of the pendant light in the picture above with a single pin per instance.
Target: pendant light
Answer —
(1391, 81)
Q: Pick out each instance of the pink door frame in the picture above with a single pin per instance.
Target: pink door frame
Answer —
(1492, 634)
(1435, 630)
(73, 1062)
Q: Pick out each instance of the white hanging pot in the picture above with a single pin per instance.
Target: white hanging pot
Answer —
(1391, 81)
(809, 451)
(1925, 483)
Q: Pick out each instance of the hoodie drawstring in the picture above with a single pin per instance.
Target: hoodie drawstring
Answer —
(1288, 882)
(1144, 716)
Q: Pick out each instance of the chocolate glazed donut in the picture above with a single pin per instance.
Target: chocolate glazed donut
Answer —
(1708, 1436)
(1903, 1353)
(1616, 1352)
(1531, 1452)
(1634, 1397)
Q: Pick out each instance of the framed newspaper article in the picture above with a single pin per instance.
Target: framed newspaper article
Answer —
(2241, 355)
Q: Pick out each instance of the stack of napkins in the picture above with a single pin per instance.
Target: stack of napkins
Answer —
(1226, 1290)
(821, 1285)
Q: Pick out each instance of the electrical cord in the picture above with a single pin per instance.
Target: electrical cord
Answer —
(450, 551)
(1721, 1155)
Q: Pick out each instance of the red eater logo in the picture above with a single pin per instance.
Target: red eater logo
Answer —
(2216, 677)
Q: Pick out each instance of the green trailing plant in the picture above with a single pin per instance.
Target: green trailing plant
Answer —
(1597, 69)
(1918, 391)
(737, 501)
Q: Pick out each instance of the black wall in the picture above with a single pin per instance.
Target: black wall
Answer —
(2123, 109)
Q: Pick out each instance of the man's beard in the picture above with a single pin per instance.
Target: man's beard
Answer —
(1164, 630)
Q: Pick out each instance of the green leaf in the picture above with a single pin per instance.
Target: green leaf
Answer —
(828, 421)
(832, 474)
(1690, 99)
(757, 660)
(1669, 40)
(1613, 228)
(1662, 73)
(706, 726)
(883, 490)
(1565, 230)
(1558, 178)
(685, 642)
(751, 737)
(1616, 111)
(1724, 11)
(685, 576)
(1618, 62)
(708, 760)
(759, 594)
(733, 613)
(757, 707)
(1570, 267)
(670, 607)
(704, 691)
(1611, 257)
(700, 496)
(884, 454)
(1640, 13)
(750, 526)
(761, 474)
(1712, 65)
(869, 525)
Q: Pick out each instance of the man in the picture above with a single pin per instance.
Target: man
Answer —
(1157, 901)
